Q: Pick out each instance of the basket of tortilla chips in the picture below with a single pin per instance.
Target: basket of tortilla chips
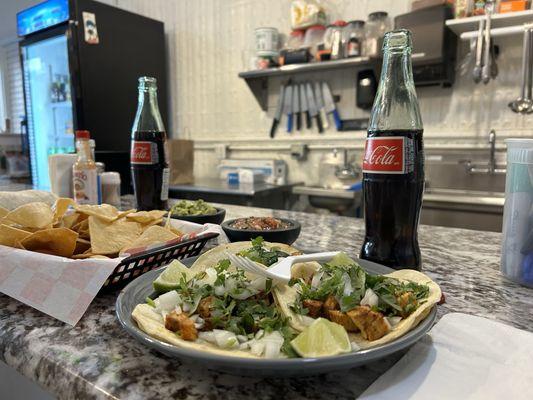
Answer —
(139, 240)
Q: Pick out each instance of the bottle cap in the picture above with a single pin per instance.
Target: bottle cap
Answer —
(83, 135)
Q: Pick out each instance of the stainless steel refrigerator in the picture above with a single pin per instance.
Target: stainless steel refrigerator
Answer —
(81, 60)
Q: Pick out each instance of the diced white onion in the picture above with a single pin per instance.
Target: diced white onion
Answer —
(244, 346)
(259, 334)
(210, 277)
(259, 283)
(178, 309)
(230, 285)
(348, 289)
(393, 321)
(220, 290)
(242, 338)
(207, 336)
(225, 339)
(370, 298)
(168, 301)
(199, 319)
(257, 347)
(194, 317)
(387, 323)
(186, 307)
(242, 295)
(315, 282)
(199, 325)
(355, 346)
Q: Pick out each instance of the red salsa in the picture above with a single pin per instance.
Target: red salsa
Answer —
(260, 223)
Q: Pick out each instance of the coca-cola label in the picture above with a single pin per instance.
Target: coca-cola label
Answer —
(388, 155)
(144, 153)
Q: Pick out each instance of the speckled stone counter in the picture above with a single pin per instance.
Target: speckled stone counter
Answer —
(98, 360)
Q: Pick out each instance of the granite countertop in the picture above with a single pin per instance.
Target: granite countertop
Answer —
(98, 360)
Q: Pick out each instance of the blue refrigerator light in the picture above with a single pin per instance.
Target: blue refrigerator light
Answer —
(42, 16)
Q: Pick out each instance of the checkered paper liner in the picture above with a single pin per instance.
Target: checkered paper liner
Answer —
(64, 288)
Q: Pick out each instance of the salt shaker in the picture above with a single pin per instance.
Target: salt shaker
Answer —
(110, 182)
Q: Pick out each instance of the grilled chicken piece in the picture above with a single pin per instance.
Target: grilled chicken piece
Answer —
(188, 330)
(408, 298)
(314, 307)
(173, 321)
(204, 307)
(342, 319)
(181, 322)
(331, 303)
(372, 324)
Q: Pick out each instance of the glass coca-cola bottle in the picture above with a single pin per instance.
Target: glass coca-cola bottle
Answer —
(149, 167)
(393, 165)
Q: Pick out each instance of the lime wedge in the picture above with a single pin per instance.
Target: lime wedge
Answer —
(322, 338)
(169, 279)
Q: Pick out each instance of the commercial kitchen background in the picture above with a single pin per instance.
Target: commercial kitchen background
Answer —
(209, 42)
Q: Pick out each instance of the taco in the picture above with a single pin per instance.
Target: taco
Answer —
(216, 308)
(374, 309)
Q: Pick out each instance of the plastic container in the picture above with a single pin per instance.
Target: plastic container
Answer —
(517, 238)
(337, 40)
(377, 25)
(314, 36)
(295, 40)
(354, 38)
(110, 188)
(266, 42)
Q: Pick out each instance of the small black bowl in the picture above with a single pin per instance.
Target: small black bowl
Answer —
(285, 235)
(216, 218)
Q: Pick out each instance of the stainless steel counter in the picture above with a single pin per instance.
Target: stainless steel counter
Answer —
(251, 194)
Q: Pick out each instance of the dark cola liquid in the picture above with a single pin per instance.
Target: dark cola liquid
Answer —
(149, 181)
(392, 205)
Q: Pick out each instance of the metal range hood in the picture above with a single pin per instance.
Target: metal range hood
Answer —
(434, 44)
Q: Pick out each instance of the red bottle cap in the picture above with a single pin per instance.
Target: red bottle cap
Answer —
(340, 22)
(83, 135)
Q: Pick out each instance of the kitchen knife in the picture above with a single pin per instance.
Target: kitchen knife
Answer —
(296, 107)
(320, 105)
(313, 111)
(277, 114)
(287, 106)
(304, 108)
(329, 105)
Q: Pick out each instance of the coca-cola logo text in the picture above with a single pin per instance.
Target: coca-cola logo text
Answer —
(384, 155)
(143, 153)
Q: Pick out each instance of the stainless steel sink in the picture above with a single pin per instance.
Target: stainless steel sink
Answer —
(336, 200)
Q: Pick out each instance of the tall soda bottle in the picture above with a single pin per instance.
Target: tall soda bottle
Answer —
(149, 167)
(393, 165)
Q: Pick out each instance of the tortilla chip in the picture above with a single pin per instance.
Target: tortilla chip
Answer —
(70, 220)
(3, 212)
(147, 217)
(81, 226)
(32, 215)
(105, 212)
(82, 245)
(56, 241)
(111, 237)
(11, 236)
(152, 235)
(61, 206)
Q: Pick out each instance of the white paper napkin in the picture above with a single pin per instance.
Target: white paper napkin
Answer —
(463, 357)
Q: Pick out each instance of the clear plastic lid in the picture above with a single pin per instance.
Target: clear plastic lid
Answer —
(110, 178)
(519, 151)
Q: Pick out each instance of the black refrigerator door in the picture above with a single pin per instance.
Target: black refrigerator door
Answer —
(129, 46)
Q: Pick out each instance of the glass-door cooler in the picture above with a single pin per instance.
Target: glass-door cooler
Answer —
(49, 103)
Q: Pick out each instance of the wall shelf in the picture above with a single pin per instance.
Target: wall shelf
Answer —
(468, 27)
(257, 80)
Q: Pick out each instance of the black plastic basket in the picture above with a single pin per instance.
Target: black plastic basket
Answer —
(139, 263)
